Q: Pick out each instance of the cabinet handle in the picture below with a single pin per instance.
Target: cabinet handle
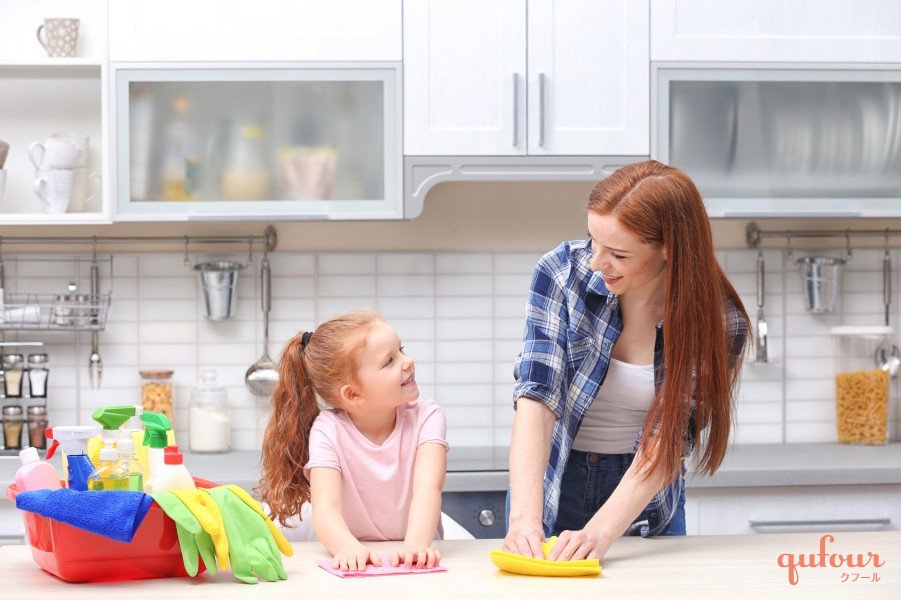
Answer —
(541, 109)
(12, 539)
(876, 521)
(515, 109)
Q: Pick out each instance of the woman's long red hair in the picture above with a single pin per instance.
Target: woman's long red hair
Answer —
(662, 206)
(327, 362)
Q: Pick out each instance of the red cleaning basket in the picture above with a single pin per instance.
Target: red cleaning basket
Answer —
(79, 556)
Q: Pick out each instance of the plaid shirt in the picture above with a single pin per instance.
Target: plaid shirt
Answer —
(572, 324)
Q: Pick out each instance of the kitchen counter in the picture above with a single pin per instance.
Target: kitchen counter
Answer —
(691, 567)
(744, 466)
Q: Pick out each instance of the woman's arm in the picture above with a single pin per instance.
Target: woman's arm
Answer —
(330, 526)
(530, 448)
(630, 497)
(425, 508)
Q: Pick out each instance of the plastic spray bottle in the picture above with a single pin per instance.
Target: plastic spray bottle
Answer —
(109, 475)
(74, 440)
(173, 475)
(129, 461)
(111, 418)
(35, 474)
(156, 429)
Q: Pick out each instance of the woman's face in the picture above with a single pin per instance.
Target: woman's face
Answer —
(626, 263)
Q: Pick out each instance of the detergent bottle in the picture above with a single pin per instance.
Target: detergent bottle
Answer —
(109, 475)
(129, 461)
(156, 430)
(111, 419)
(173, 475)
(35, 474)
(74, 441)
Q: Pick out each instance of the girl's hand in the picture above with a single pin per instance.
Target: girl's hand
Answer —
(577, 545)
(525, 540)
(418, 558)
(356, 558)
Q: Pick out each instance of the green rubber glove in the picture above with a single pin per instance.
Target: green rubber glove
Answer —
(251, 547)
(207, 513)
(192, 539)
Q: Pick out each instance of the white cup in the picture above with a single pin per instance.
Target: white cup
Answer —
(53, 154)
(54, 188)
(78, 141)
(81, 184)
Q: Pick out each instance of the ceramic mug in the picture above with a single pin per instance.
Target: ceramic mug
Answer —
(60, 36)
(54, 188)
(81, 182)
(53, 154)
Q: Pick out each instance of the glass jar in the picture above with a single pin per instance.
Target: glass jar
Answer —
(156, 392)
(209, 426)
(38, 369)
(12, 427)
(37, 423)
(861, 387)
(246, 175)
(13, 370)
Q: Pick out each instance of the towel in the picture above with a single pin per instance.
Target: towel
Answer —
(114, 514)
(385, 569)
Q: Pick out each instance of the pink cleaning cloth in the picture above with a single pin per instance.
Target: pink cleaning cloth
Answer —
(385, 569)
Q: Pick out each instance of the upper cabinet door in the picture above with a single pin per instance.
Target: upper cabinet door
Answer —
(589, 80)
(776, 31)
(464, 77)
(266, 30)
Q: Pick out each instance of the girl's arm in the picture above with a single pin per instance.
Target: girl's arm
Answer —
(330, 526)
(425, 508)
(630, 497)
(530, 448)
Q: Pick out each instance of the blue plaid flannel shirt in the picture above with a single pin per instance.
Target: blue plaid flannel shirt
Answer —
(572, 324)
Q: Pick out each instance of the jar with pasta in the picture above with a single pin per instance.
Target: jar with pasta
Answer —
(156, 392)
(862, 386)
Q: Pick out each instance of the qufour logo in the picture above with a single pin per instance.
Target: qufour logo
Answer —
(824, 559)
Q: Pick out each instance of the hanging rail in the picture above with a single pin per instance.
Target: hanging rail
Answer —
(269, 239)
(754, 234)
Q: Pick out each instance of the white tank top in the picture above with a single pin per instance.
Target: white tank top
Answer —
(617, 415)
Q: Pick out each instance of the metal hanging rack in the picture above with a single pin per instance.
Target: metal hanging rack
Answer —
(269, 240)
(754, 235)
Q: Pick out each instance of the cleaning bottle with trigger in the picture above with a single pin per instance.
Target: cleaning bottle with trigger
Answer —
(156, 435)
(111, 418)
(74, 441)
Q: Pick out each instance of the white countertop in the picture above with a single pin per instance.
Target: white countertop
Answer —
(690, 567)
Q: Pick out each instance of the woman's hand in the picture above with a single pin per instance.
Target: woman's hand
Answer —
(355, 558)
(525, 540)
(416, 558)
(578, 545)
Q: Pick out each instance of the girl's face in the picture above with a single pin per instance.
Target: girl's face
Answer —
(626, 263)
(386, 375)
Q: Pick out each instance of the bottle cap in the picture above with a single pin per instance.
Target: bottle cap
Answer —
(171, 456)
(109, 452)
(29, 455)
(126, 446)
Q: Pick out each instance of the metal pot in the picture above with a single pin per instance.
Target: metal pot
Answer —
(219, 281)
(820, 279)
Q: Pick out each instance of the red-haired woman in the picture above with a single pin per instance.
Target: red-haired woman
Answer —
(633, 345)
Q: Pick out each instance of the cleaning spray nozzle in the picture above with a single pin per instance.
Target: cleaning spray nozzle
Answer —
(113, 417)
(156, 429)
(73, 438)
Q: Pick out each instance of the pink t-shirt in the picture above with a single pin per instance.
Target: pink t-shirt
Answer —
(377, 480)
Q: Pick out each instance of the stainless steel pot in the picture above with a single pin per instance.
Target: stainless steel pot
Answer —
(820, 280)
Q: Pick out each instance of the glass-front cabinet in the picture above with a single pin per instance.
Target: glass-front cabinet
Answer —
(257, 141)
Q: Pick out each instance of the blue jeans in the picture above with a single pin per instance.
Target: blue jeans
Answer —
(588, 481)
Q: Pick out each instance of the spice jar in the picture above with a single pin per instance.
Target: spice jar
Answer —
(13, 369)
(12, 427)
(37, 375)
(156, 392)
(209, 427)
(37, 423)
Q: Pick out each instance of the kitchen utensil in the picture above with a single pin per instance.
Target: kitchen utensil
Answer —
(820, 277)
(888, 356)
(219, 280)
(4, 152)
(262, 376)
(760, 353)
(95, 363)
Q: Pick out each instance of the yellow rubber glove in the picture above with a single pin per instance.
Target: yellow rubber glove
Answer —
(283, 544)
(202, 506)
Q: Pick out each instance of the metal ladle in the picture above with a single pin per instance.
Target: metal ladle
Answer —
(888, 356)
(262, 376)
(95, 363)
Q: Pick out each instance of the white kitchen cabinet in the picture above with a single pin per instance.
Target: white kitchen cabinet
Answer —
(828, 509)
(41, 96)
(776, 31)
(526, 77)
(262, 30)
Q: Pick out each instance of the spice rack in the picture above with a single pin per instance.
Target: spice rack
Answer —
(24, 416)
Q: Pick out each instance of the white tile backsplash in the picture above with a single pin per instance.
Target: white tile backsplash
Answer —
(460, 315)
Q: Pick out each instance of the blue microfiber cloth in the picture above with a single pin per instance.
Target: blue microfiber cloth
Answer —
(114, 514)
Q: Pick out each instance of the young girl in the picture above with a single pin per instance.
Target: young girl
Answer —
(373, 462)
